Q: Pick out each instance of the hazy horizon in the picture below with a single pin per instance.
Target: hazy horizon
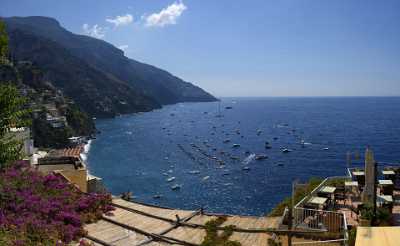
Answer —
(247, 49)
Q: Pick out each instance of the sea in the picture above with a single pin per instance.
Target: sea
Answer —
(193, 155)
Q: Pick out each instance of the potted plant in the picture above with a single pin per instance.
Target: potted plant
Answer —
(366, 215)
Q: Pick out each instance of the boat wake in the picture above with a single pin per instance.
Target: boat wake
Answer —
(249, 159)
(86, 150)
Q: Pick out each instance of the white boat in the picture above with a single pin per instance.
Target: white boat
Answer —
(236, 145)
(171, 179)
(286, 150)
(157, 196)
(194, 172)
(206, 177)
(246, 168)
(176, 187)
(326, 148)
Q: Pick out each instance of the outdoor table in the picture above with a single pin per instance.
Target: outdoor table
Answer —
(360, 177)
(387, 186)
(351, 183)
(317, 201)
(385, 201)
(326, 191)
(351, 186)
(389, 174)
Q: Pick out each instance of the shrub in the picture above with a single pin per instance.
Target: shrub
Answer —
(213, 238)
(44, 210)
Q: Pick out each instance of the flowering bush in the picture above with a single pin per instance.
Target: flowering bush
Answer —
(44, 210)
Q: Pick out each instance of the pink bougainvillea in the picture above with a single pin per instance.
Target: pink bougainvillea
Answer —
(44, 210)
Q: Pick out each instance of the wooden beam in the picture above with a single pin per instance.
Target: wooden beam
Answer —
(155, 236)
(187, 218)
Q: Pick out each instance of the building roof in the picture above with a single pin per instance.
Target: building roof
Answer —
(382, 236)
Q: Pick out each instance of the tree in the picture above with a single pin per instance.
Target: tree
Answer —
(12, 114)
(3, 43)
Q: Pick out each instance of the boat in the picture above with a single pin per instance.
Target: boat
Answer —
(286, 150)
(236, 145)
(275, 138)
(246, 168)
(206, 177)
(261, 157)
(175, 187)
(326, 148)
(228, 107)
(157, 196)
(259, 132)
(194, 172)
(171, 179)
(226, 140)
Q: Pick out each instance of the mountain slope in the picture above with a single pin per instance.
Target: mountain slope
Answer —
(157, 86)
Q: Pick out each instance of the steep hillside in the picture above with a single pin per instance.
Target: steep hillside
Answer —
(95, 73)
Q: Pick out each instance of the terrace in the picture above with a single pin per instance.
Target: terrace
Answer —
(338, 204)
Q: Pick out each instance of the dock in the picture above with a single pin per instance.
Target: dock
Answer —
(139, 224)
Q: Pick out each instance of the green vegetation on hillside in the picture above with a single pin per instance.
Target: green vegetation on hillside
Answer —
(12, 114)
(299, 194)
(3, 42)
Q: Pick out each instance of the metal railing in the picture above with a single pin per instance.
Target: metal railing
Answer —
(320, 220)
(315, 191)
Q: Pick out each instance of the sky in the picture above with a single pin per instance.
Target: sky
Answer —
(247, 48)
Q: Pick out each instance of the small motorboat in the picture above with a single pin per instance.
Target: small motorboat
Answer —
(236, 145)
(157, 196)
(226, 140)
(176, 187)
(194, 172)
(286, 150)
(228, 107)
(261, 157)
(246, 168)
(171, 179)
(326, 148)
(205, 178)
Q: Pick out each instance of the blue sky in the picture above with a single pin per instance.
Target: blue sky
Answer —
(247, 48)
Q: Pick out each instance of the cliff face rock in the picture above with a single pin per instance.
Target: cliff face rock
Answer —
(93, 72)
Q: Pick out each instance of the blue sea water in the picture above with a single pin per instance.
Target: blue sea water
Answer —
(135, 152)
